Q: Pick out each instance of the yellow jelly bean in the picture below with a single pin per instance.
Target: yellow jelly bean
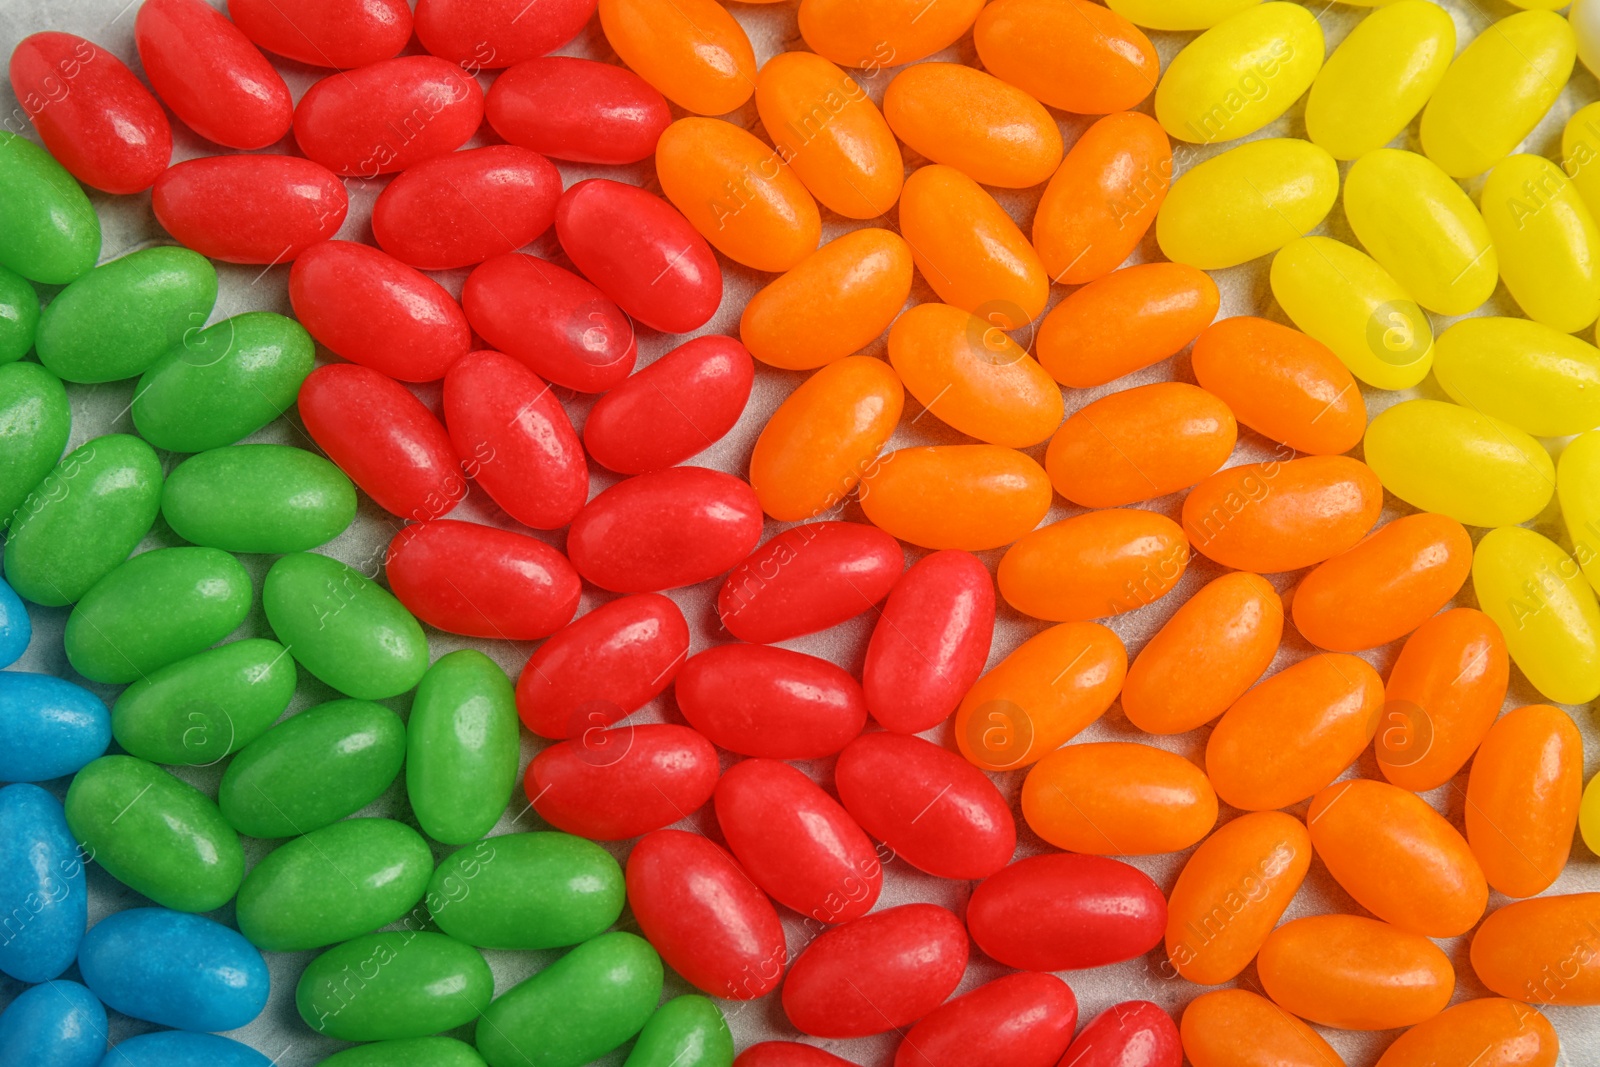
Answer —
(1538, 597)
(1247, 202)
(1421, 228)
(1458, 462)
(1578, 487)
(1496, 91)
(1589, 815)
(1241, 74)
(1379, 77)
(972, 497)
(1547, 242)
(1341, 297)
(1178, 14)
(1580, 154)
(1538, 379)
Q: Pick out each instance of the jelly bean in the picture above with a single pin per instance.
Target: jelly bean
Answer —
(966, 118)
(1459, 462)
(1536, 594)
(882, 35)
(696, 54)
(705, 916)
(1061, 912)
(1546, 240)
(526, 891)
(1379, 77)
(15, 628)
(51, 727)
(1522, 799)
(420, 983)
(49, 232)
(1579, 149)
(42, 889)
(384, 439)
(1384, 587)
(250, 208)
(179, 1048)
(93, 115)
(155, 834)
(437, 214)
(809, 578)
(211, 75)
(58, 1024)
(118, 319)
(757, 700)
(408, 1052)
(1536, 378)
(1178, 14)
(1071, 55)
(1294, 733)
(258, 498)
(604, 666)
(1025, 1020)
(1343, 298)
(313, 769)
(577, 109)
(640, 252)
(610, 785)
(862, 279)
(1584, 26)
(1588, 812)
(1281, 516)
(494, 35)
(1118, 798)
(481, 581)
(183, 971)
(686, 1031)
(1354, 973)
(461, 748)
(345, 34)
(1134, 1033)
(519, 444)
(1140, 444)
(1488, 1031)
(1496, 91)
(82, 519)
(1580, 507)
(1237, 1028)
(1536, 951)
(223, 383)
(787, 1054)
(675, 408)
(1094, 565)
(346, 630)
(388, 116)
(1029, 705)
(849, 160)
(970, 497)
(1159, 308)
(207, 706)
(19, 316)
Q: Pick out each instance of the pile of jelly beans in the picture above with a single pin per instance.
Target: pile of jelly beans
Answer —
(721, 815)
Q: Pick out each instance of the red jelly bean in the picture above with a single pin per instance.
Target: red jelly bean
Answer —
(388, 116)
(1135, 1033)
(562, 327)
(880, 972)
(1064, 912)
(1020, 1020)
(676, 407)
(481, 581)
(488, 34)
(641, 253)
(384, 439)
(210, 75)
(757, 700)
(95, 117)
(664, 530)
(250, 208)
(326, 33)
(937, 812)
(931, 642)
(704, 915)
(610, 785)
(516, 439)
(788, 1054)
(796, 842)
(603, 666)
(374, 310)
(578, 109)
(809, 578)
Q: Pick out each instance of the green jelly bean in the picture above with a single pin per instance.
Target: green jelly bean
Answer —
(410, 1052)
(118, 319)
(333, 884)
(155, 834)
(686, 1031)
(577, 1009)
(35, 421)
(48, 229)
(154, 610)
(397, 984)
(313, 769)
(203, 707)
(462, 744)
(258, 498)
(347, 631)
(527, 891)
(19, 315)
(83, 519)
(223, 383)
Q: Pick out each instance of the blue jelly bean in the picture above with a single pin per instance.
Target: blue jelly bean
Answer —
(44, 898)
(58, 1024)
(176, 1048)
(14, 626)
(173, 968)
(49, 727)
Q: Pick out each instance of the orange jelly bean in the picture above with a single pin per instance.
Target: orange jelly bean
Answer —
(1118, 798)
(1103, 198)
(835, 302)
(1207, 655)
(1545, 950)
(1094, 565)
(1275, 516)
(1444, 692)
(968, 249)
(1522, 798)
(1070, 54)
(1488, 1032)
(993, 132)
(1294, 733)
(692, 51)
(1386, 586)
(972, 497)
(1127, 320)
(973, 377)
(1281, 384)
(1236, 1028)
(883, 33)
(1140, 444)
(1398, 857)
(1354, 973)
(1040, 696)
(825, 437)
